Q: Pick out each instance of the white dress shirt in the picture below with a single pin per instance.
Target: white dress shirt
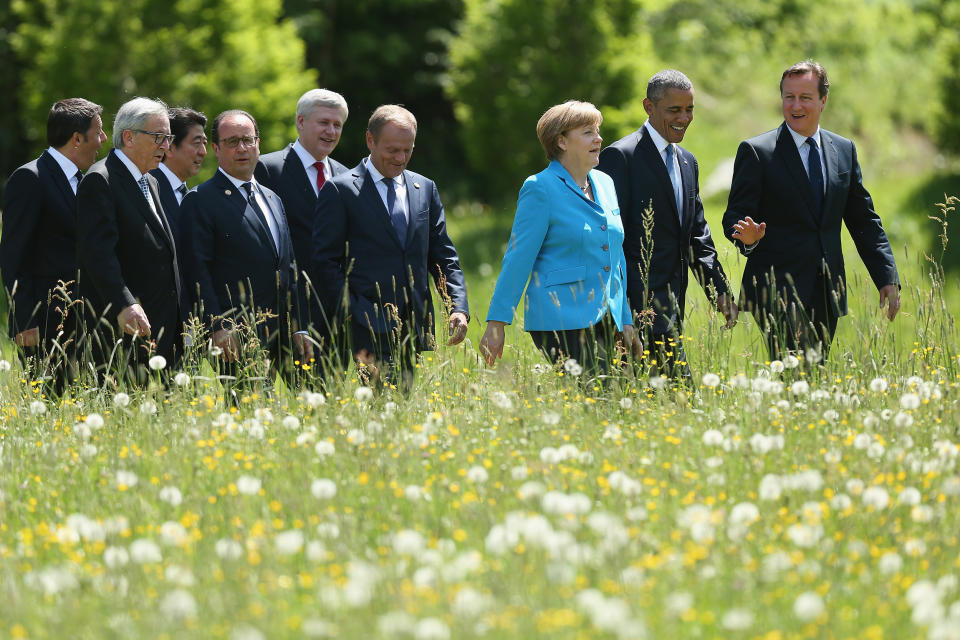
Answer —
(661, 144)
(401, 188)
(804, 149)
(135, 172)
(174, 180)
(69, 169)
(272, 223)
(308, 161)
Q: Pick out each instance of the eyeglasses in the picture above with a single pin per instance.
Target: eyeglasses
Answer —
(233, 143)
(159, 137)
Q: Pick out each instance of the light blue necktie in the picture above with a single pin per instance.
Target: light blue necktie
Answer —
(815, 172)
(395, 210)
(674, 179)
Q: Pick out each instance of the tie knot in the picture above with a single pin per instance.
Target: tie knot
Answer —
(670, 150)
(248, 187)
(78, 175)
(389, 182)
(318, 166)
(812, 142)
(182, 189)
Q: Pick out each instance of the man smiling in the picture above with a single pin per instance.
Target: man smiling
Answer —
(792, 188)
(651, 170)
(181, 162)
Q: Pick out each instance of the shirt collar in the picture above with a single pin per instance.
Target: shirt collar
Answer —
(376, 175)
(799, 139)
(173, 178)
(237, 182)
(66, 164)
(128, 163)
(658, 140)
(307, 158)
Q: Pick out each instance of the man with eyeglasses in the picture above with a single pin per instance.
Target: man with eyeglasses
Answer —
(297, 173)
(240, 260)
(181, 162)
(38, 247)
(126, 250)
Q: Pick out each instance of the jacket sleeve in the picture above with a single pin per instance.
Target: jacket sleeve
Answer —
(745, 191)
(97, 237)
(530, 224)
(443, 261)
(704, 261)
(21, 211)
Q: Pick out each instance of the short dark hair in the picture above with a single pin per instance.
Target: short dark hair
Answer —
(215, 131)
(69, 116)
(667, 79)
(805, 67)
(182, 119)
(391, 113)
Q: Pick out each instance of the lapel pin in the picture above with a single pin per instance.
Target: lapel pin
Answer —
(416, 185)
(227, 192)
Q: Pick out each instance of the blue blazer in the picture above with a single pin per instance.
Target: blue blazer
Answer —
(569, 249)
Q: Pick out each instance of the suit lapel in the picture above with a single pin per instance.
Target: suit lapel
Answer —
(60, 180)
(165, 225)
(272, 210)
(237, 198)
(371, 201)
(415, 198)
(787, 150)
(832, 156)
(120, 173)
(294, 169)
(650, 154)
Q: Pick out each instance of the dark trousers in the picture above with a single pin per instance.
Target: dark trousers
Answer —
(593, 347)
(394, 354)
(792, 327)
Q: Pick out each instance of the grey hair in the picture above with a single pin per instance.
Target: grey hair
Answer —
(134, 115)
(321, 98)
(667, 79)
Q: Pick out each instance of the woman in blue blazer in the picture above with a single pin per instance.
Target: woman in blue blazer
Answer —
(566, 250)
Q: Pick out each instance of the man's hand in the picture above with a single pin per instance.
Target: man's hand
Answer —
(28, 338)
(631, 340)
(491, 344)
(457, 328)
(133, 321)
(748, 232)
(304, 346)
(728, 308)
(227, 341)
(890, 295)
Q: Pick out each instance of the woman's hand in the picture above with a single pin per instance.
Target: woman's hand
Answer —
(491, 344)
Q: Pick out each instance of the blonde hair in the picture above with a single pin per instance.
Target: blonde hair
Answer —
(562, 118)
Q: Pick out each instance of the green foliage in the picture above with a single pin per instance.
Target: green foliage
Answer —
(376, 52)
(513, 59)
(949, 129)
(209, 54)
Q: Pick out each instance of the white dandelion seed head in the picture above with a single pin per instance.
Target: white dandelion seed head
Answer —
(228, 549)
(182, 379)
(148, 407)
(94, 421)
(288, 543)
(324, 448)
(712, 438)
(879, 385)
(808, 606)
(363, 394)
(291, 422)
(791, 361)
(710, 380)
(800, 387)
(477, 474)
(323, 488)
(777, 366)
(171, 495)
(144, 551)
(909, 401)
(178, 603)
(876, 497)
(38, 408)
(248, 485)
(890, 563)
(157, 363)
(737, 620)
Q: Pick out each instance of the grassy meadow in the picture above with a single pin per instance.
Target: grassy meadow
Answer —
(776, 500)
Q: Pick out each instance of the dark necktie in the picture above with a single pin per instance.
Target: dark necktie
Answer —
(321, 178)
(79, 176)
(145, 189)
(252, 201)
(395, 209)
(182, 190)
(674, 179)
(816, 175)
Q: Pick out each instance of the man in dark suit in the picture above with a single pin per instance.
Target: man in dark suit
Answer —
(181, 162)
(38, 247)
(379, 233)
(297, 173)
(240, 253)
(125, 247)
(665, 231)
(792, 188)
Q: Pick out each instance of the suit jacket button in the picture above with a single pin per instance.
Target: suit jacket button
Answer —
(603, 227)
(606, 247)
(606, 268)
